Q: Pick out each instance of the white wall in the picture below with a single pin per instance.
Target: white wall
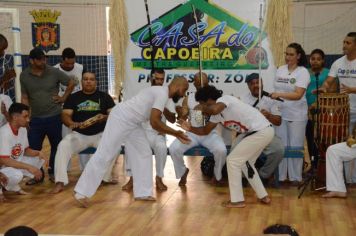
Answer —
(82, 27)
(323, 24)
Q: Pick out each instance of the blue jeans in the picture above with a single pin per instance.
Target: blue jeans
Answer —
(39, 128)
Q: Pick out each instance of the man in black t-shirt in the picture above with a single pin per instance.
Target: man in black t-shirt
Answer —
(78, 108)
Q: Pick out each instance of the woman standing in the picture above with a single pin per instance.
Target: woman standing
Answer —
(291, 82)
(317, 69)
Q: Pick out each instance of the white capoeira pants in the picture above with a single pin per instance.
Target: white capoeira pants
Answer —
(83, 158)
(71, 144)
(350, 166)
(119, 129)
(249, 149)
(16, 175)
(158, 145)
(213, 142)
(335, 156)
(292, 134)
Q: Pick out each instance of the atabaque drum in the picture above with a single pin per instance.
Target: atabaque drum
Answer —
(333, 126)
(333, 119)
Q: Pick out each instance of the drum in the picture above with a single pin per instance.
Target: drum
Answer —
(333, 119)
(333, 126)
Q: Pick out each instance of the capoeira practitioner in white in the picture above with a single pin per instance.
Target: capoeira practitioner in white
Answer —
(17, 159)
(77, 109)
(156, 140)
(124, 125)
(74, 70)
(212, 141)
(236, 115)
(344, 69)
(335, 156)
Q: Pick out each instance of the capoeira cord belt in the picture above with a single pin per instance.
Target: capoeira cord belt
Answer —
(250, 171)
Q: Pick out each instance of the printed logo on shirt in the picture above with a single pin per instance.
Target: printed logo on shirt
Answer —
(89, 105)
(283, 80)
(346, 71)
(235, 125)
(292, 80)
(16, 151)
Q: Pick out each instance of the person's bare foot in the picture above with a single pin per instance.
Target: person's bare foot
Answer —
(160, 185)
(81, 200)
(114, 180)
(2, 198)
(183, 180)
(217, 183)
(146, 198)
(229, 204)
(334, 194)
(58, 188)
(22, 192)
(265, 200)
(129, 185)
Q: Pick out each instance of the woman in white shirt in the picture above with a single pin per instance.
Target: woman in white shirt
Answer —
(290, 84)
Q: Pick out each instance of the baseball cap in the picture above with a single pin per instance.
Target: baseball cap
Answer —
(36, 53)
(251, 77)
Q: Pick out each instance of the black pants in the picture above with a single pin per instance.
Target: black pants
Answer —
(312, 148)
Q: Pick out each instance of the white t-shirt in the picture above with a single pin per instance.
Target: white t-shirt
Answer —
(345, 70)
(271, 105)
(138, 108)
(239, 116)
(170, 106)
(75, 74)
(11, 144)
(7, 101)
(287, 82)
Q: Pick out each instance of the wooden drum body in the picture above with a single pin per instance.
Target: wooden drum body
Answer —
(333, 122)
(333, 119)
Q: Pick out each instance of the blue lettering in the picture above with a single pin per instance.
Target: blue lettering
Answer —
(192, 33)
(216, 31)
(248, 38)
(156, 27)
(173, 33)
(142, 77)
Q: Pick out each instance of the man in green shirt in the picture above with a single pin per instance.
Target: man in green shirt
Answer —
(39, 89)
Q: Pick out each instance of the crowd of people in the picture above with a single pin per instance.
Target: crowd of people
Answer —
(64, 104)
